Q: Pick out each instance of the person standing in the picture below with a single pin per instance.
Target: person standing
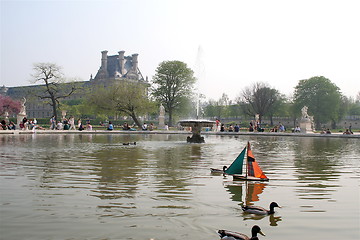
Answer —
(72, 123)
(79, 123)
(217, 125)
(52, 123)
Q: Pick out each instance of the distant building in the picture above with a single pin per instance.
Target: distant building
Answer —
(113, 69)
(118, 67)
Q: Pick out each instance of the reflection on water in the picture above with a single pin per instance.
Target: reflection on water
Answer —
(247, 193)
(252, 190)
(318, 165)
(94, 187)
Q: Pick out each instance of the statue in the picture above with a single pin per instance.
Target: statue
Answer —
(162, 117)
(6, 115)
(162, 110)
(304, 112)
(23, 108)
(306, 122)
(22, 113)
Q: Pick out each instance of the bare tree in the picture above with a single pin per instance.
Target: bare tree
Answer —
(259, 99)
(54, 87)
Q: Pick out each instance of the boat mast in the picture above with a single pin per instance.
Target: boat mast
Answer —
(246, 160)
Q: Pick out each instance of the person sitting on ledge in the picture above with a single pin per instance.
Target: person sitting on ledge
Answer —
(236, 128)
(66, 126)
(126, 126)
(110, 127)
(12, 126)
(347, 132)
(3, 125)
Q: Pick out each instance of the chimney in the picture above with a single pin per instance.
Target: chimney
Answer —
(104, 60)
(135, 62)
(121, 61)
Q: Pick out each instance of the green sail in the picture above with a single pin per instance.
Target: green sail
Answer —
(237, 166)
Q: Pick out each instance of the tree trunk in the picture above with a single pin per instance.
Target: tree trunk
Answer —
(294, 122)
(170, 118)
(54, 107)
(333, 124)
(133, 116)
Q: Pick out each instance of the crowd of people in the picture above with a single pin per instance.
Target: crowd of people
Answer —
(25, 124)
(254, 126)
(71, 124)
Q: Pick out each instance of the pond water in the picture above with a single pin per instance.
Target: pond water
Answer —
(94, 187)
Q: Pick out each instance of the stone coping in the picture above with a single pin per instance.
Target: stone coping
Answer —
(332, 135)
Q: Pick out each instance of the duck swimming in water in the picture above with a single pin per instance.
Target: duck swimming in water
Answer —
(260, 210)
(230, 235)
(214, 170)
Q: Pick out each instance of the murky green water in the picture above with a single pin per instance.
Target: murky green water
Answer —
(94, 187)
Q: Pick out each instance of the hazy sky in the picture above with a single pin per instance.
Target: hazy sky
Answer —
(242, 41)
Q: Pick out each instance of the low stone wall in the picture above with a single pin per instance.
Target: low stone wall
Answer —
(283, 134)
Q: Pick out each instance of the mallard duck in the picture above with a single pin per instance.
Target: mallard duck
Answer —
(260, 210)
(229, 235)
(214, 170)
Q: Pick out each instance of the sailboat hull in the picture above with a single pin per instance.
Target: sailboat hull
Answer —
(248, 178)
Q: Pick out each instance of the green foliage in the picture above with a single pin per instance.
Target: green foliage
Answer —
(72, 102)
(221, 108)
(321, 96)
(172, 86)
(126, 98)
(353, 106)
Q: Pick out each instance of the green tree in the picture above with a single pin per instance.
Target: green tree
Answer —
(129, 98)
(210, 108)
(353, 107)
(260, 99)
(279, 108)
(218, 108)
(173, 86)
(321, 96)
(54, 87)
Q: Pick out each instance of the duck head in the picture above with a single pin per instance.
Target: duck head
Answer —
(273, 205)
(255, 230)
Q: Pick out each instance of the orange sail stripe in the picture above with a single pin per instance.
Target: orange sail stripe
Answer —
(257, 171)
(254, 168)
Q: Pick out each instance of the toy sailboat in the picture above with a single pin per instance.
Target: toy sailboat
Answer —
(253, 171)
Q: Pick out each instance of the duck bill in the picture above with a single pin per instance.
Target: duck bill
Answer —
(262, 233)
